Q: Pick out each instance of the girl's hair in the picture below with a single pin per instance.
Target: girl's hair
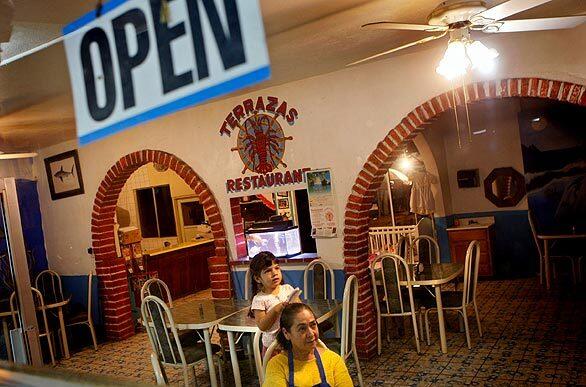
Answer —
(286, 321)
(258, 263)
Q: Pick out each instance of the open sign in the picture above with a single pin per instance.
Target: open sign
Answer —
(142, 59)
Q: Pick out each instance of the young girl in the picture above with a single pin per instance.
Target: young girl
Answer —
(270, 295)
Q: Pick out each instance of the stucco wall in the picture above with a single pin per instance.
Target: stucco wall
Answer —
(342, 117)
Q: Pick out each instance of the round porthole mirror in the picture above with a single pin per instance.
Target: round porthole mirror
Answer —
(504, 187)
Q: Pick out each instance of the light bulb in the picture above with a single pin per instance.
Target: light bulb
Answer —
(405, 164)
(455, 62)
(482, 57)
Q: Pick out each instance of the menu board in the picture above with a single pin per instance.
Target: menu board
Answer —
(322, 204)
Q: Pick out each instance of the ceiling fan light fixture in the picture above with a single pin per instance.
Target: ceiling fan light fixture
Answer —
(455, 62)
(482, 57)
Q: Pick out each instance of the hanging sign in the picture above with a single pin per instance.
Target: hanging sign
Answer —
(142, 59)
(322, 206)
(261, 144)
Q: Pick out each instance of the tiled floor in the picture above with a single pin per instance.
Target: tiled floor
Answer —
(530, 338)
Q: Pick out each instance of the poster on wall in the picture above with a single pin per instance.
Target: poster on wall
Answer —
(322, 205)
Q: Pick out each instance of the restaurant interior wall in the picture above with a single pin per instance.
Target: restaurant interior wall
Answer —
(342, 117)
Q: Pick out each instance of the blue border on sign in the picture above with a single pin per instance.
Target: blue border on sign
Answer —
(181, 103)
(91, 16)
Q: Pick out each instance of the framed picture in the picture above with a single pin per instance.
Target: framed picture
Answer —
(283, 204)
(64, 175)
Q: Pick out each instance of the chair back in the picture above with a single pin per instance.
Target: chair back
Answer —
(258, 359)
(534, 233)
(248, 285)
(471, 272)
(403, 248)
(161, 330)
(48, 282)
(321, 271)
(349, 313)
(389, 269)
(156, 287)
(428, 251)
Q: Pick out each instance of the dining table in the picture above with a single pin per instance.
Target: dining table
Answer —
(203, 315)
(241, 322)
(435, 275)
(551, 237)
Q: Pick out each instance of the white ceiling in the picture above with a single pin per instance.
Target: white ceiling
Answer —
(305, 38)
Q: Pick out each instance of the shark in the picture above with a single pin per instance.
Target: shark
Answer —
(61, 174)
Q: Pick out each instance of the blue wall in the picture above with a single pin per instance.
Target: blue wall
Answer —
(515, 254)
(76, 286)
(291, 277)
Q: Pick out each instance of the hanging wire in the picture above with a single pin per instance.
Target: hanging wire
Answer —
(99, 7)
(456, 114)
(466, 108)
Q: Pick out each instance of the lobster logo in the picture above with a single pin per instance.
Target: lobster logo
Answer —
(261, 143)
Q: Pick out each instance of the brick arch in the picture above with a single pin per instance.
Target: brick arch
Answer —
(111, 270)
(356, 216)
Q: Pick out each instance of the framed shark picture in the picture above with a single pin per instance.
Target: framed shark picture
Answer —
(64, 175)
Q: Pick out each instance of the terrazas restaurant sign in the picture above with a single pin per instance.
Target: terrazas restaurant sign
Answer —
(141, 59)
(261, 143)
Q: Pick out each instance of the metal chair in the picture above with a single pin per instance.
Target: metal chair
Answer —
(156, 287)
(43, 324)
(346, 346)
(461, 300)
(403, 248)
(85, 317)
(392, 304)
(168, 350)
(248, 285)
(319, 290)
(433, 249)
(574, 260)
(48, 282)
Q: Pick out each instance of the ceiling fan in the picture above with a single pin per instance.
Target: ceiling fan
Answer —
(458, 17)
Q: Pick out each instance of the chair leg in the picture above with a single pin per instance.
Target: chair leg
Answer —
(358, 370)
(159, 377)
(93, 332)
(378, 334)
(185, 376)
(427, 327)
(421, 324)
(221, 370)
(49, 339)
(465, 317)
(194, 375)
(414, 319)
(477, 318)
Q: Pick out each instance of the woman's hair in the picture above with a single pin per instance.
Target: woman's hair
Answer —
(286, 321)
(258, 263)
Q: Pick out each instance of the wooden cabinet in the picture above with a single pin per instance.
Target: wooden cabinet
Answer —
(184, 270)
(460, 239)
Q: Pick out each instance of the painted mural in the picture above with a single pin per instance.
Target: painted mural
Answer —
(554, 155)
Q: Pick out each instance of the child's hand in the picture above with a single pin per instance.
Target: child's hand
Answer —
(281, 306)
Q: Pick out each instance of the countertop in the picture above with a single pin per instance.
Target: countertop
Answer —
(470, 227)
(180, 246)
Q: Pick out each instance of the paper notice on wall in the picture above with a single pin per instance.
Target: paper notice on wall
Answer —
(322, 205)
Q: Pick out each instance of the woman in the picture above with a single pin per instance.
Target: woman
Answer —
(303, 363)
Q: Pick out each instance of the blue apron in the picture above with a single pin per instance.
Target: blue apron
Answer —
(320, 368)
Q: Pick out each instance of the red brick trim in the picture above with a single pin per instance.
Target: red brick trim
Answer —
(111, 270)
(370, 177)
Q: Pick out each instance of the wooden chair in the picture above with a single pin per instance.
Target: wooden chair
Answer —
(346, 346)
(319, 289)
(389, 269)
(85, 317)
(433, 249)
(461, 300)
(168, 349)
(44, 329)
(48, 282)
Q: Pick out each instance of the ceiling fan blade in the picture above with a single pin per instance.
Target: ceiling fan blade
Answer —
(415, 43)
(551, 23)
(385, 25)
(11, 156)
(504, 10)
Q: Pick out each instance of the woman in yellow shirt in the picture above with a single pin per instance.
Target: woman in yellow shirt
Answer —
(303, 363)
